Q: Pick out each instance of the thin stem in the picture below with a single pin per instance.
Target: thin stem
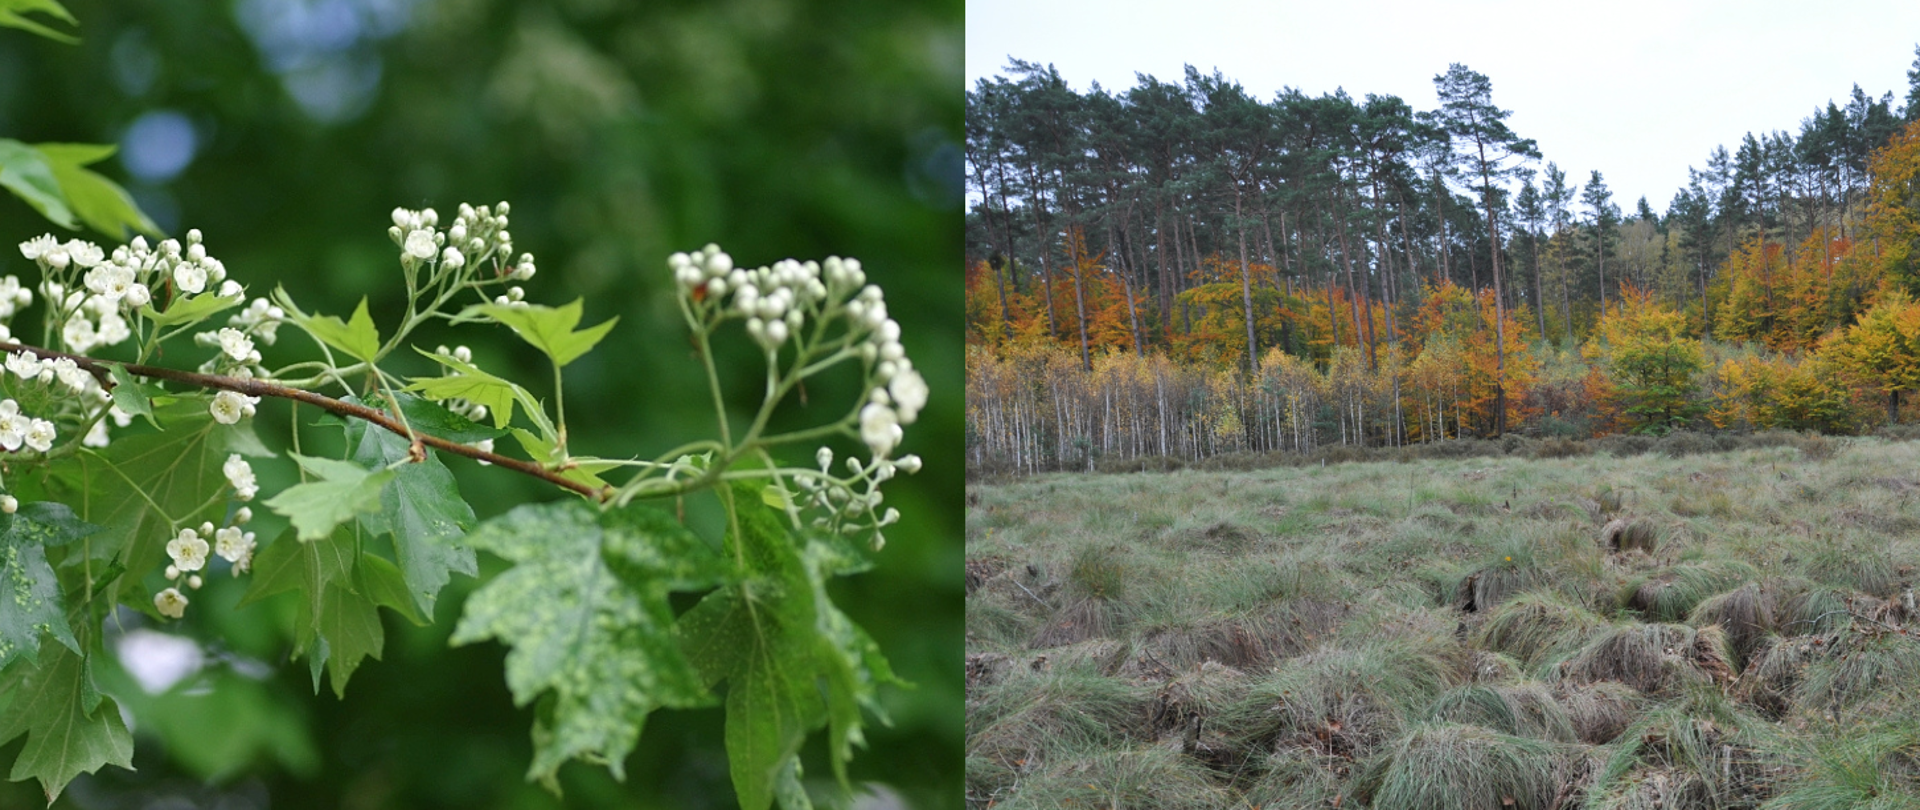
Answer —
(261, 388)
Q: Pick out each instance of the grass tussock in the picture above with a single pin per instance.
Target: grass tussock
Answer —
(1538, 626)
(1450, 766)
(1343, 701)
(1652, 658)
(1668, 595)
(1742, 613)
(1447, 633)
(1629, 534)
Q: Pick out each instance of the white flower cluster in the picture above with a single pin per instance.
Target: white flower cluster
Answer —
(17, 429)
(13, 297)
(476, 234)
(853, 502)
(187, 553)
(240, 475)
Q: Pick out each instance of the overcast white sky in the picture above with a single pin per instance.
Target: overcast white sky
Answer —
(1639, 90)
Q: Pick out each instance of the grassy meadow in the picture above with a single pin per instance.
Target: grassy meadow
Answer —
(1713, 630)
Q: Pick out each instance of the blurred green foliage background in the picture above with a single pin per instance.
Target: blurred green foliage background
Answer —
(286, 130)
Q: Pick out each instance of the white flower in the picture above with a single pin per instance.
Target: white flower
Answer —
(879, 428)
(9, 504)
(240, 475)
(236, 344)
(40, 435)
(10, 296)
(97, 435)
(78, 334)
(452, 258)
(420, 244)
(190, 278)
(138, 296)
(38, 246)
(910, 463)
(909, 392)
(194, 581)
(85, 254)
(113, 329)
(232, 544)
(24, 365)
(188, 550)
(68, 372)
(228, 407)
(171, 603)
(13, 426)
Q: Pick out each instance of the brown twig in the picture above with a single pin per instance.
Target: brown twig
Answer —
(261, 388)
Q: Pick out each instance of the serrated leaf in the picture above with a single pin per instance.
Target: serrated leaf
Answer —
(356, 336)
(420, 507)
(102, 203)
(548, 329)
(180, 472)
(344, 490)
(427, 416)
(13, 15)
(132, 398)
(585, 610)
(71, 729)
(30, 598)
(26, 173)
(776, 639)
(470, 383)
(190, 309)
(580, 470)
(337, 625)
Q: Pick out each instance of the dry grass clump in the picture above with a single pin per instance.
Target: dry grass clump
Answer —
(1629, 534)
(1343, 701)
(1653, 658)
(1599, 711)
(1080, 620)
(1768, 681)
(1450, 766)
(1850, 566)
(1149, 776)
(1250, 642)
(1804, 608)
(1526, 709)
(1028, 718)
(1298, 778)
(1670, 594)
(1870, 673)
(1743, 613)
(1538, 626)
(1183, 714)
(1875, 769)
(1698, 751)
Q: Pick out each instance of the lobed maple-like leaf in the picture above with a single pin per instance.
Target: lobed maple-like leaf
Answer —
(585, 610)
(421, 506)
(30, 600)
(337, 625)
(777, 639)
(71, 729)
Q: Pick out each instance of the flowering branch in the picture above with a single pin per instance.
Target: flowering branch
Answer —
(261, 388)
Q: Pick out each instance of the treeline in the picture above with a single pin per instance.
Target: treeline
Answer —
(1307, 271)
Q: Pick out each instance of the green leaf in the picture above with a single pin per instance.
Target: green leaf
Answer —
(585, 610)
(71, 729)
(344, 489)
(180, 472)
(549, 330)
(338, 623)
(468, 382)
(12, 15)
(26, 173)
(30, 599)
(777, 639)
(132, 398)
(427, 416)
(190, 309)
(421, 507)
(357, 336)
(101, 202)
(581, 470)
